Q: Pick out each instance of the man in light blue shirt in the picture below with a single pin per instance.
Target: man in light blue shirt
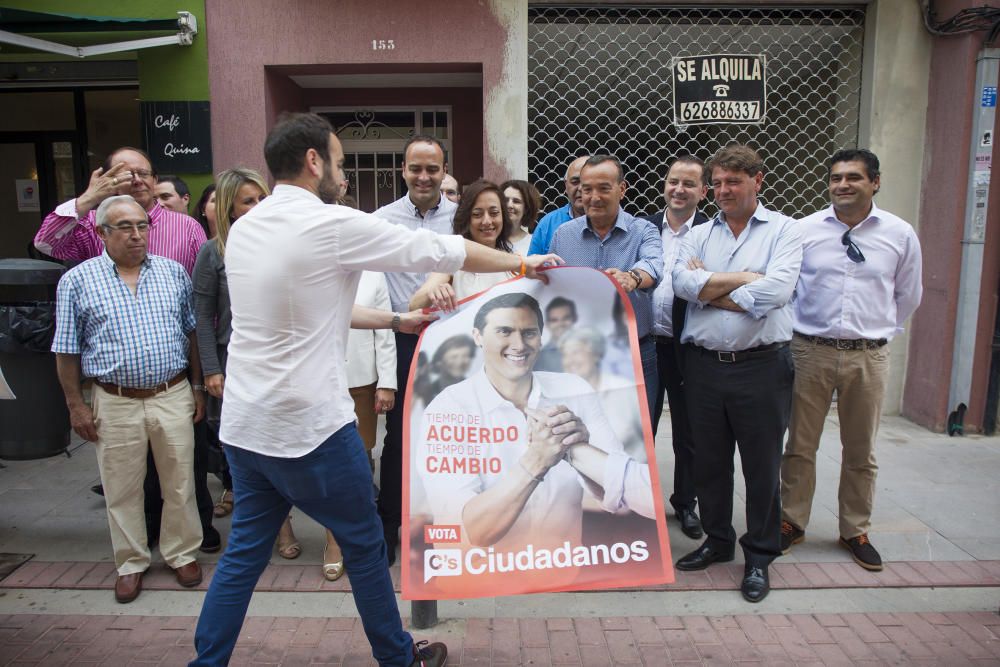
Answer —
(541, 238)
(627, 248)
(738, 273)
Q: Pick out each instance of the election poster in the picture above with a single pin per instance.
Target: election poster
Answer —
(529, 462)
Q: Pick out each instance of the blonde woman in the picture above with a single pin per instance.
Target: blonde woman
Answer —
(237, 191)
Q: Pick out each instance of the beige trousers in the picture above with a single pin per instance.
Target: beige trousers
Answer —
(124, 426)
(364, 409)
(859, 377)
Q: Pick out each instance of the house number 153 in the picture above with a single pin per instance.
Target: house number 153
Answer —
(383, 45)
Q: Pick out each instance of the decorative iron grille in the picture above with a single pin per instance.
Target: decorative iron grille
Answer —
(599, 82)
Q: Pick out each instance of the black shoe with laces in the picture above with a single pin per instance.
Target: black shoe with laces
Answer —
(756, 584)
(429, 655)
(863, 552)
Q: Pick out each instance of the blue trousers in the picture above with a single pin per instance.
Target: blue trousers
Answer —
(333, 485)
(650, 375)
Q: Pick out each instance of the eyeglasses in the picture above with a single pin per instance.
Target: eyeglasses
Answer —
(853, 251)
(140, 227)
(142, 173)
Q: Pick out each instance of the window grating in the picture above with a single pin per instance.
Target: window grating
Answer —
(599, 81)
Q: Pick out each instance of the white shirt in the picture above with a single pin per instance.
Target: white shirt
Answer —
(403, 285)
(554, 512)
(467, 283)
(521, 246)
(371, 353)
(663, 295)
(838, 298)
(293, 265)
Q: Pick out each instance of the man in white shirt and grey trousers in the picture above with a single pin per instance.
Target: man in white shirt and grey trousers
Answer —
(288, 424)
(860, 280)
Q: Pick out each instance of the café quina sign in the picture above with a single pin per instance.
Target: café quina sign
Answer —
(719, 89)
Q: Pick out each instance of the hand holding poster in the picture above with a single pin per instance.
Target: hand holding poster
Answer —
(520, 479)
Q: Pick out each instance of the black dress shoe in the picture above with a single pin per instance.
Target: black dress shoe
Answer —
(99, 490)
(690, 524)
(211, 541)
(756, 584)
(702, 557)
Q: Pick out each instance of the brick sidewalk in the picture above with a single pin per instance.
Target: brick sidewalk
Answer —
(821, 639)
(288, 577)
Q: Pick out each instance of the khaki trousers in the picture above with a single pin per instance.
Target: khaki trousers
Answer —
(364, 409)
(859, 377)
(124, 426)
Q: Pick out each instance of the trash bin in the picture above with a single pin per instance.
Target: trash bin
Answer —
(35, 423)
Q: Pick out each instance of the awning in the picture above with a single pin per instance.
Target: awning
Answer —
(17, 24)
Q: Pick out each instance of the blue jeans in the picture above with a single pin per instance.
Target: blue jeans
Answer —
(333, 485)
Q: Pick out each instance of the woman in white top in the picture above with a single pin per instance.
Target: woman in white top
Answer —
(523, 205)
(481, 217)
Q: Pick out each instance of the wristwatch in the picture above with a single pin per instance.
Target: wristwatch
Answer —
(638, 277)
(198, 387)
(395, 322)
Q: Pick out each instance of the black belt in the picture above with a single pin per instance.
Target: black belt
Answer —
(845, 343)
(741, 355)
(664, 340)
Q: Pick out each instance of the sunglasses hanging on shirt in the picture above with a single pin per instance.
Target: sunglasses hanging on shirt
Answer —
(853, 251)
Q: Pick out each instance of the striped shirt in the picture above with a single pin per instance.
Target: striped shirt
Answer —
(136, 341)
(173, 235)
(403, 212)
(633, 243)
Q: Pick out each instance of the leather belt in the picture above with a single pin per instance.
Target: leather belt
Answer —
(741, 355)
(129, 392)
(845, 343)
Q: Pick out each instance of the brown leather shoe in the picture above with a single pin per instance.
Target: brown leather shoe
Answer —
(128, 587)
(189, 575)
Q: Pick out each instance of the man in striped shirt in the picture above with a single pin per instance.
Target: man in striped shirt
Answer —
(69, 231)
(126, 319)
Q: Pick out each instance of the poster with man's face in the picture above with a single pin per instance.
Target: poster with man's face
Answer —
(529, 452)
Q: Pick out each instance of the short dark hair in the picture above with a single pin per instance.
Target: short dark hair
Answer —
(510, 300)
(288, 141)
(561, 302)
(462, 222)
(532, 202)
(109, 160)
(179, 185)
(864, 155)
(425, 139)
(453, 343)
(595, 160)
(687, 158)
(737, 157)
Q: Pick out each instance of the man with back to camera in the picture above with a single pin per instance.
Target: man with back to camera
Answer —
(738, 274)
(859, 282)
(293, 264)
(422, 207)
(541, 238)
(684, 188)
(625, 247)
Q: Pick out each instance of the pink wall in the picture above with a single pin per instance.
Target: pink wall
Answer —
(254, 44)
(942, 214)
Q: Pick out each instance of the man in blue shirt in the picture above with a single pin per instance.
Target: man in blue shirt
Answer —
(627, 248)
(541, 238)
(126, 319)
(738, 272)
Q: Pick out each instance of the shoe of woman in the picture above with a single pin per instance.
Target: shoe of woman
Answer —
(288, 545)
(332, 570)
(225, 505)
